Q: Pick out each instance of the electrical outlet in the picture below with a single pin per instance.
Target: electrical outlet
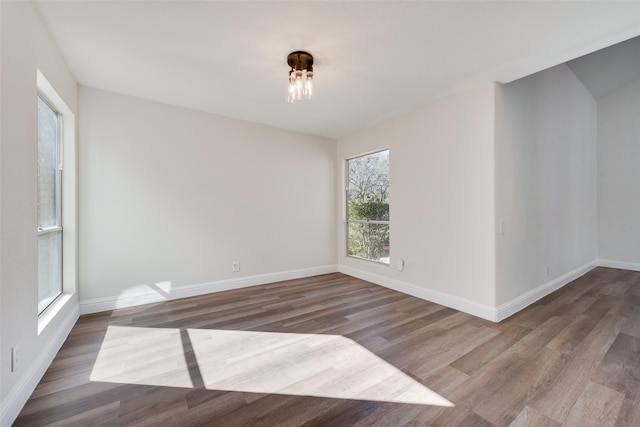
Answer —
(15, 356)
(546, 271)
(236, 266)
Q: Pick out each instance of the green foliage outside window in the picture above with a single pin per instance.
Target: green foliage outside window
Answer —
(370, 211)
(370, 241)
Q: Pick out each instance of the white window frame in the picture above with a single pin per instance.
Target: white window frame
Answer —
(68, 205)
(42, 305)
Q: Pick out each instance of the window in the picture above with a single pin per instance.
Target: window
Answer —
(367, 200)
(49, 205)
(56, 203)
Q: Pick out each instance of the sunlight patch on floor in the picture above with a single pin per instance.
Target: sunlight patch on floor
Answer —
(302, 364)
(330, 366)
(148, 356)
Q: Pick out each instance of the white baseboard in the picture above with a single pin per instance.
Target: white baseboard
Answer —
(619, 264)
(483, 311)
(511, 307)
(15, 400)
(130, 300)
(462, 304)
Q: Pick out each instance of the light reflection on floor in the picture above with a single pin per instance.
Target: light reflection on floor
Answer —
(319, 365)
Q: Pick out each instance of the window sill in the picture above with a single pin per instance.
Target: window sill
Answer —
(50, 312)
(386, 264)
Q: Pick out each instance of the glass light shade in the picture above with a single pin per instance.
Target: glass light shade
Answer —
(300, 85)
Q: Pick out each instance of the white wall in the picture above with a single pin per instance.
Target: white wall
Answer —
(442, 203)
(170, 197)
(619, 177)
(545, 183)
(26, 47)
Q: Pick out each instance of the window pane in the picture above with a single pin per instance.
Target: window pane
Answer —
(49, 268)
(47, 165)
(50, 243)
(370, 241)
(368, 187)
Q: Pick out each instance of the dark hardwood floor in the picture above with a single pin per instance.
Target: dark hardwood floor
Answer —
(333, 350)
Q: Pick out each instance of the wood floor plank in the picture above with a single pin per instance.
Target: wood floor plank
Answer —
(629, 414)
(333, 350)
(571, 380)
(598, 406)
(492, 393)
(531, 344)
(571, 336)
(446, 348)
(489, 350)
(445, 417)
(529, 417)
(620, 369)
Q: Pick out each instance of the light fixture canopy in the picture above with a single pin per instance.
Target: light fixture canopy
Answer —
(300, 76)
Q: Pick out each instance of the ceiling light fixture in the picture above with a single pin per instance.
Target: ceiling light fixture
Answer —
(300, 76)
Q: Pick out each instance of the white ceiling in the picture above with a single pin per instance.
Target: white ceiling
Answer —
(372, 59)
